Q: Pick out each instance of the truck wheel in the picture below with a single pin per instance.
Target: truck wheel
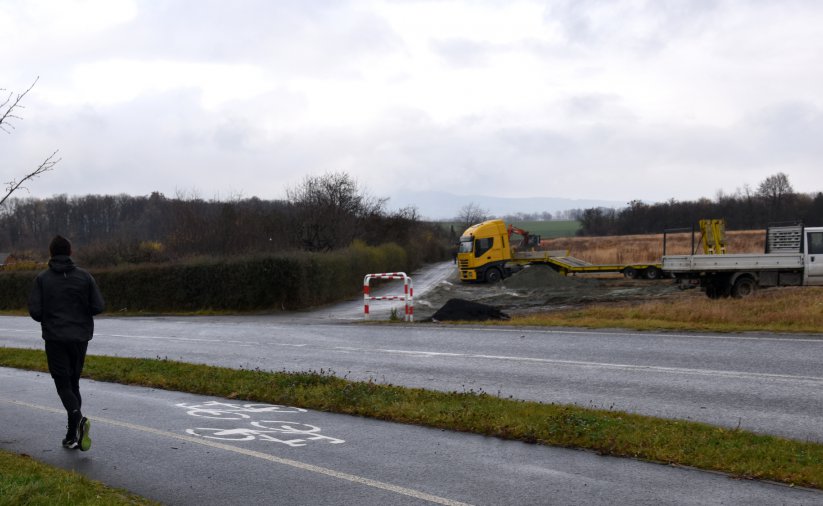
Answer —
(652, 273)
(743, 287)
(630, 272)
(493, 275)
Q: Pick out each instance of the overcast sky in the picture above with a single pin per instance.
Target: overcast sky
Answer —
(587, 99)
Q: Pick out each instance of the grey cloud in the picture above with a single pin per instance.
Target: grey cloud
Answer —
(166, 142)
(462, 52)
(787, 131)
(646, 26)
(309, 38)
(598, 107)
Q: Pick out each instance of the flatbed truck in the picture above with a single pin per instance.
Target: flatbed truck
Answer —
(793, 257)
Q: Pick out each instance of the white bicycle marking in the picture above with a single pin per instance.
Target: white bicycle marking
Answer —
(227, 411)
(264, 430)
(282, 427)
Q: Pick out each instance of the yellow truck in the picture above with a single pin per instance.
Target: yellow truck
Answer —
(485, 254)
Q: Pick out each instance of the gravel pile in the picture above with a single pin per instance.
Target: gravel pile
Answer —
(538, 276)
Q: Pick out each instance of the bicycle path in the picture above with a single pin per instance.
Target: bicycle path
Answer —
(186, 449)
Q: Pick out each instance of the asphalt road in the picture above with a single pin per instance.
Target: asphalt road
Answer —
(192, 450)
(765, 383)
(760, 382)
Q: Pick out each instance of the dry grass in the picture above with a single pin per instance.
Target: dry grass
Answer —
(625, 249)
(788, 309)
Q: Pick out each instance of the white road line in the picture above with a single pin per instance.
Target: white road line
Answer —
(594, 333)
(259, 455)
(576, 363)
(601, 365)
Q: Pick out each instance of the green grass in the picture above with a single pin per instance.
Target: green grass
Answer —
(607, 432)
(549, 229)
(23, 480)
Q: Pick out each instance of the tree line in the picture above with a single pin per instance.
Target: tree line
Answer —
(323, 213)
(774, 200)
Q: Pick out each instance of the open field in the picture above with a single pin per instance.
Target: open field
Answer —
(622, 249)
(787, 309)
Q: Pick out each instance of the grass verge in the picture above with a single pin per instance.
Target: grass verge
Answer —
(790, 309)
(737, 452)
(23, 480)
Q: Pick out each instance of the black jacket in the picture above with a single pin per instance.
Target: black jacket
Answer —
(64, 299)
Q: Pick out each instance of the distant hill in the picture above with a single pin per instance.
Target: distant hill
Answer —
(445, 206)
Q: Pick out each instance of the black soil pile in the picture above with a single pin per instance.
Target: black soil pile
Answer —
(466, 310)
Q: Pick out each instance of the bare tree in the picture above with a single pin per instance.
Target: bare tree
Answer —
(8, 113)
(774, 188)
(471, 214)
(329, 210)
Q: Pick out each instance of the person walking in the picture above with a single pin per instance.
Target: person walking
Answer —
(64, 299)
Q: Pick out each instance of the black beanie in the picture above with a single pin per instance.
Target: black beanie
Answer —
(59, 246)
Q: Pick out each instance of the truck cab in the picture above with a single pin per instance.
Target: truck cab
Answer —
(483, 252)
(813, 273)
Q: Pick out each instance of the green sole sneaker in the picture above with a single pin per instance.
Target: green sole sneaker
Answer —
(83, 438)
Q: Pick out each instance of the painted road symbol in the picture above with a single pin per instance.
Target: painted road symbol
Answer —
(227, 411)
(264, 430)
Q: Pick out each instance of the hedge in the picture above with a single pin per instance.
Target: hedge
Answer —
(290, 281)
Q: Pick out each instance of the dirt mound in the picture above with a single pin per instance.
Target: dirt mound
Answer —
(538, 276)
(459, 309)
(538, 288)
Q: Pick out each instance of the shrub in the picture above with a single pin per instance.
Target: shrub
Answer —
(284, 282)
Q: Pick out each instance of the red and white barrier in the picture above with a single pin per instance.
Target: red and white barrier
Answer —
(408, 293)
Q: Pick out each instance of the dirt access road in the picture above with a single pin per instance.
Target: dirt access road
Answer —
(537, 288)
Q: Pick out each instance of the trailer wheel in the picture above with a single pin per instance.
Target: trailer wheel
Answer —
(630, 272)
(652, 273)
(743, 287)
(493, 275)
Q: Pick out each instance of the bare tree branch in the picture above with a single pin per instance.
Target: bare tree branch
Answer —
(17, 184)
(472, 214)
(7, 113)
(8, 106)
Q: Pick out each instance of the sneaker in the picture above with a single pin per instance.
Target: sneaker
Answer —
(83, 440)
(70, 441)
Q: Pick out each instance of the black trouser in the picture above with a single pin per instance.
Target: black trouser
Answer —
(65, 365)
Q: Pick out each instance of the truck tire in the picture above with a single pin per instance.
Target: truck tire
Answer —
(630, 272)
(493, 275)
(652, 273)
(743, 287)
